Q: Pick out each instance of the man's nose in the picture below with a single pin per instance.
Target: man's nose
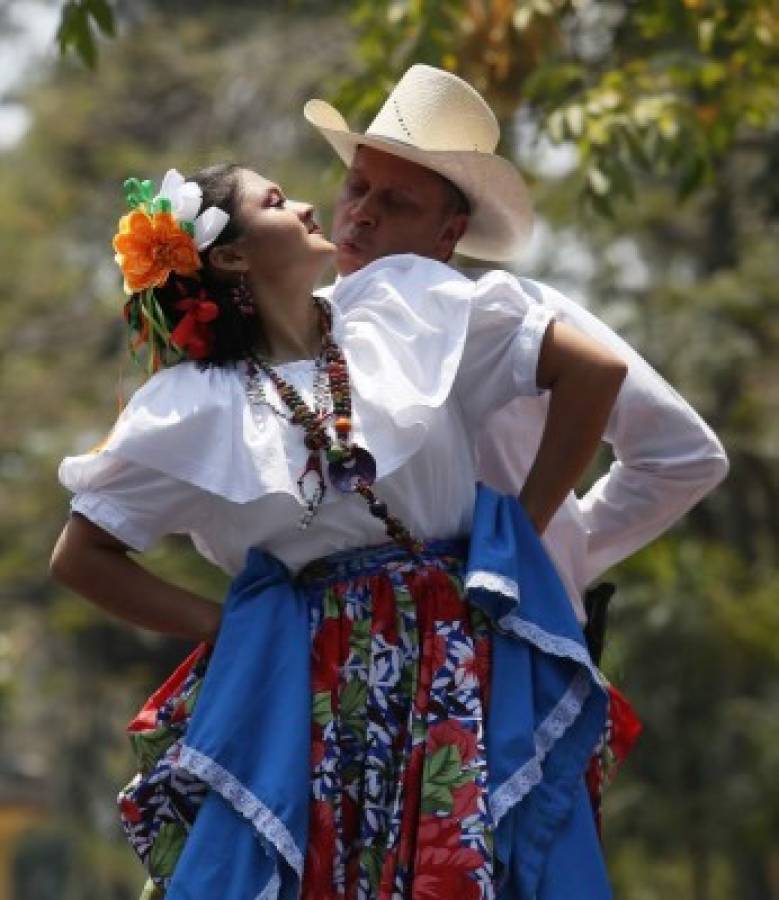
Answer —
(363, 211)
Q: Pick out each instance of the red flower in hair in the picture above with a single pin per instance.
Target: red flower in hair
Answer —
(192, 334)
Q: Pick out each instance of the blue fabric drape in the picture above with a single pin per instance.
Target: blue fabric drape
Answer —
(547, 705)
(249, 739)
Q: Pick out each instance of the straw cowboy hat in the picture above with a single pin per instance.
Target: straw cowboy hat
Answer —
(439, 121)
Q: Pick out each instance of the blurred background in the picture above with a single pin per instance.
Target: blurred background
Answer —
(650, 135)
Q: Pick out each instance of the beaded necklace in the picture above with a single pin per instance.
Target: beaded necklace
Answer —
(351, 468)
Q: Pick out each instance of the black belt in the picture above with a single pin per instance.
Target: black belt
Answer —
(596, 602)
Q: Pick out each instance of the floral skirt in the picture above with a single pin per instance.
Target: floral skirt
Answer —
(398, 804)
(399, 679)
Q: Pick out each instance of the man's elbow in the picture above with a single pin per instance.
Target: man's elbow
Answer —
(718, 464)
(702, 470)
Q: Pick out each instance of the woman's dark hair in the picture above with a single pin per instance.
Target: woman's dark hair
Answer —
(235, 332)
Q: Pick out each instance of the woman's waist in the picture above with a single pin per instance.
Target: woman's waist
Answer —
(448, 554)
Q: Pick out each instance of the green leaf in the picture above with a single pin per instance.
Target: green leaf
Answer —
(466, 776)
(332, 608)
(68, 24)
(103, 15)
(322, 708)
(444, 766)
(436, 798)
(372, 859)
(353, 698)
(361, 635)
(75, 32)
(167, 849)
(189, 703)
(85, 45)
(149, 746)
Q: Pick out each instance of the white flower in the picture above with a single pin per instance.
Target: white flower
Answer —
(185, 198)
(209, 225)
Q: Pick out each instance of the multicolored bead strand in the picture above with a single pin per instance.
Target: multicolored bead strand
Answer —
(351, 468)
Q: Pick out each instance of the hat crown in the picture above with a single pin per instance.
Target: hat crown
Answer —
(435, 110)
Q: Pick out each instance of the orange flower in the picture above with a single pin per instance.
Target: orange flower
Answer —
(148, 248)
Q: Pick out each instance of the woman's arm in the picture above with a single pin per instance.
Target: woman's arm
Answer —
(95, 564)
(583, 378)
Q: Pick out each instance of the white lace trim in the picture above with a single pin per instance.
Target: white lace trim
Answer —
(551, 643)
(271, 889)
(546, 736)
(490, 581)
(266, 824)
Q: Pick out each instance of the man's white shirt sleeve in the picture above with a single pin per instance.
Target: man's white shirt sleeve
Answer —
(666, 457)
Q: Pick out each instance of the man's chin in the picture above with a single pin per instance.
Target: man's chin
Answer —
(351, 259)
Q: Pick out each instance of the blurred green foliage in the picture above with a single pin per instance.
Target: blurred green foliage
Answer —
(668, 113)
(666, 86)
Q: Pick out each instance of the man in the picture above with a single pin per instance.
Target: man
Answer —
(424, 179)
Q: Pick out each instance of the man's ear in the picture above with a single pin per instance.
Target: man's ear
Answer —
(453, 229)
(228, 258)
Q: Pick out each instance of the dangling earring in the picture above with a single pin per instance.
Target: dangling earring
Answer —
(242, 297)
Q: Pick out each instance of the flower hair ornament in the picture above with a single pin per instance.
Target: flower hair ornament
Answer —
(163, 234)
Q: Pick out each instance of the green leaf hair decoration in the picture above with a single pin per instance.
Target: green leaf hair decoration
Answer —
(139, 193)
(162, 204)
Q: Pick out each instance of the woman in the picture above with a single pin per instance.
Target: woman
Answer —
(350, 719)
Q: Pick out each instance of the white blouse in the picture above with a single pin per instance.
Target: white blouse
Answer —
(431, 354)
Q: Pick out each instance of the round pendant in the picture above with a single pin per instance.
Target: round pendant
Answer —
(361, 466)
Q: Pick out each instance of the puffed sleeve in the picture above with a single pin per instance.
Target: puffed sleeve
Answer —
(136, 504)
(503, 343)
(175, 445)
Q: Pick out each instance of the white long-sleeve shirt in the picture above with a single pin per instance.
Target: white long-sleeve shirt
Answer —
(666, 458)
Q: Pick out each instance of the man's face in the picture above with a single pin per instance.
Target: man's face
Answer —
(389, 205)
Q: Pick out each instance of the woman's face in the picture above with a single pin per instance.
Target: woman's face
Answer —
(277, 232)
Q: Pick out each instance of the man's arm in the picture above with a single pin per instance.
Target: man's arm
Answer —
(666, 457)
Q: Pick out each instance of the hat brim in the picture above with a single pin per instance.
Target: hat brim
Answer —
(501, 215)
